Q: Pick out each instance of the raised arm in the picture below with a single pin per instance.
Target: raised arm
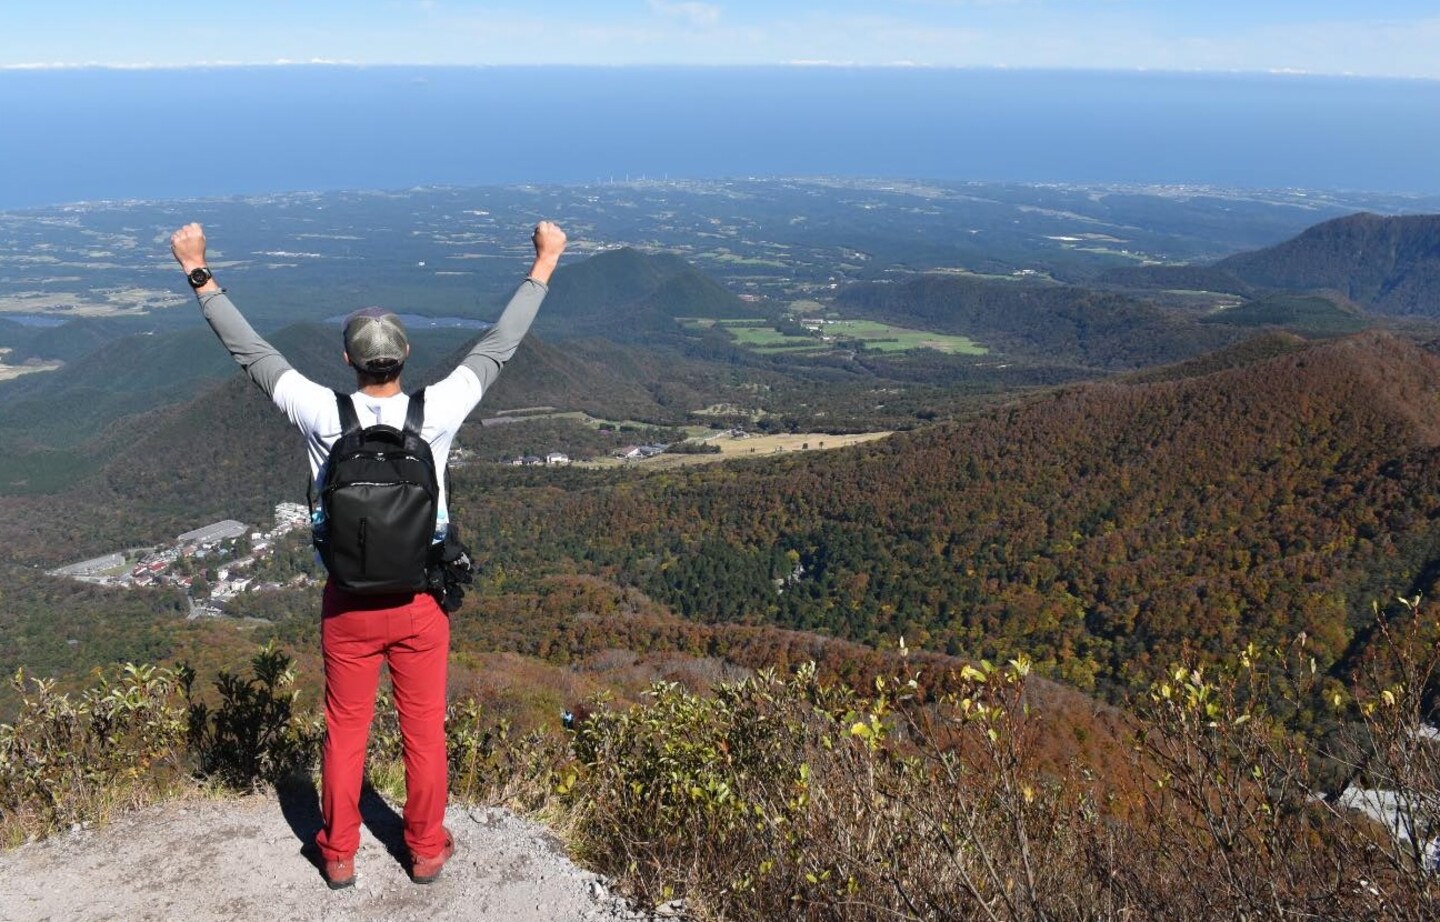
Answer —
(499, 343)
(261, 361)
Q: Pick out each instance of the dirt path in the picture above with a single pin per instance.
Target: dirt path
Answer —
(239, 860)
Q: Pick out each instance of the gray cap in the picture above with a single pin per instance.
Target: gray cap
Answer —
(375, 340)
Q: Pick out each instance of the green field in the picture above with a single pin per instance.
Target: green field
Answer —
(735, 259)
(768, 339)
(762, 336)
(887, 338)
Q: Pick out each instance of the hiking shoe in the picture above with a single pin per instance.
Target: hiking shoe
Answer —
(339, 873)
(427, 870)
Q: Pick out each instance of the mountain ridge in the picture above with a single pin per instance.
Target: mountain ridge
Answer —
(1389, 264)
(1386, 264)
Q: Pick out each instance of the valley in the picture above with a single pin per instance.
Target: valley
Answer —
(953, 413)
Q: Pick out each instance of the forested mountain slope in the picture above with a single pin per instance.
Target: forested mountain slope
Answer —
(1104, 530)
(1389, 264)
(1096, 330)
(625, 294)
(1312, 315)
(69, 340)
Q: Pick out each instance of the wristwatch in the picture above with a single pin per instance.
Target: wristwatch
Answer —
(199, 278)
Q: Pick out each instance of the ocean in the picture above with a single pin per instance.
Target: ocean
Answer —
(75, 135)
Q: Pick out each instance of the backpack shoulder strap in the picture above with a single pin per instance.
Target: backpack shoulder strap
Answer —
(415, 413)
(349, 422)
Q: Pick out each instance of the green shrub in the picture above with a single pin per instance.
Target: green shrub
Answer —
(67, 760)
(253, 735)
(1244, 817)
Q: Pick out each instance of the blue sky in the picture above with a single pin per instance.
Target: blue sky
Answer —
(1377, 38)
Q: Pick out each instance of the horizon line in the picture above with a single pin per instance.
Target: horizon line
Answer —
(57, 66)
(803, 178)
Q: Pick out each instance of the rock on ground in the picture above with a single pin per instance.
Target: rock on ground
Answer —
(240, 859)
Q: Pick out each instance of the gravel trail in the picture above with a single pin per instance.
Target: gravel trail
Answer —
(240, 859)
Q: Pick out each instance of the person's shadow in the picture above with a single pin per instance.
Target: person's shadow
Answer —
(300, 805)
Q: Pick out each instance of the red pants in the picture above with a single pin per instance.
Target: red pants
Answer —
(413, 636)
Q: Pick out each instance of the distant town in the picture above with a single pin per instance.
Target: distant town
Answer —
(212, 563)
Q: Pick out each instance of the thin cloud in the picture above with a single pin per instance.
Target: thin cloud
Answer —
(175, 65)
(696, 15)
(1071, 34)
(114, 65)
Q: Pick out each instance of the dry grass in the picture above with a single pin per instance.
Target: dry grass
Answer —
(756, 446)
(792, 799)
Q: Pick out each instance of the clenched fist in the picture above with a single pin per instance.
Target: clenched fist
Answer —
(188, 245)
(549, 242)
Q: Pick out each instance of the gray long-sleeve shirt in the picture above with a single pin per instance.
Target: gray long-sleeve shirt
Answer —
(311, 406)
(265, 365)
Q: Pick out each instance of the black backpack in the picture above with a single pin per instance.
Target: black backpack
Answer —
(378, 504)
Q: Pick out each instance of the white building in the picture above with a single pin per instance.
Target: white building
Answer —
(218, 531)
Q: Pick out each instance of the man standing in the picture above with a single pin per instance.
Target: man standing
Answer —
(409, 631)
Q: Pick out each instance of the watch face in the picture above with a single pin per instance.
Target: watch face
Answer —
(199, 277)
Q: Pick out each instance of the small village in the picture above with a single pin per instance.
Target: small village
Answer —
(212, 563)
